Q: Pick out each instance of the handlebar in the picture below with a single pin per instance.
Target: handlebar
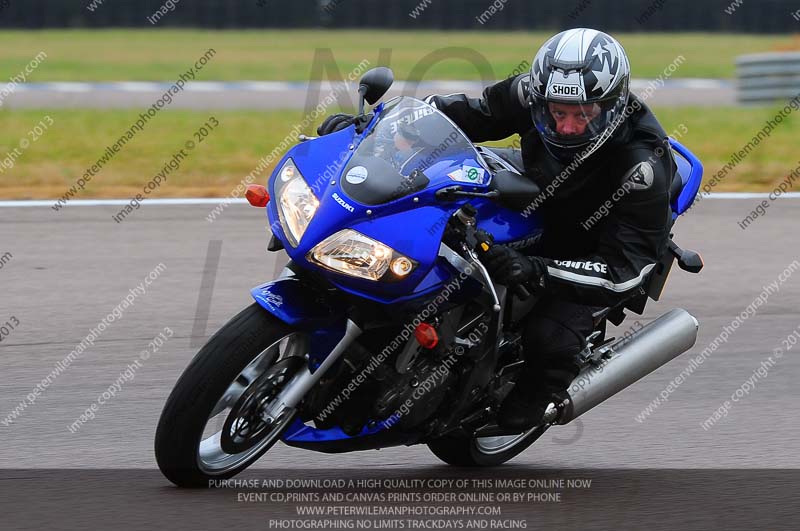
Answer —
(478, 242)
(485, 241)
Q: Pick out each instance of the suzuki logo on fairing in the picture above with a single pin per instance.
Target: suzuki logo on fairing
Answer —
(588, 266)
(347, 206)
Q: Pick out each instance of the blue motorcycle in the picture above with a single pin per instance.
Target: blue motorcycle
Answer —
(385, 329)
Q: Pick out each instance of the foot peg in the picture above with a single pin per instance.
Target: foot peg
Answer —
(690, 261)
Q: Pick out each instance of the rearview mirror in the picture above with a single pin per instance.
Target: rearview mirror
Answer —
(373, 85)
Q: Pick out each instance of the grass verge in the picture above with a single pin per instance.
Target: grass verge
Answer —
(78, 138)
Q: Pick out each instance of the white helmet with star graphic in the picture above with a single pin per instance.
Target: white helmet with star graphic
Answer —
(587, 69)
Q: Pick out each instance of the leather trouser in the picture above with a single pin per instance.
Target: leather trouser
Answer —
(554, 334)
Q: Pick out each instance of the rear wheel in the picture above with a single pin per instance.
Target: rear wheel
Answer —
(218, 419)
(483, 451)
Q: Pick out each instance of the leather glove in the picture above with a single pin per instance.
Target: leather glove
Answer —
(335, 122)
(510, 267)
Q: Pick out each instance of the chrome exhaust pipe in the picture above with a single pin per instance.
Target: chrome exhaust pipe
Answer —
(628, 360)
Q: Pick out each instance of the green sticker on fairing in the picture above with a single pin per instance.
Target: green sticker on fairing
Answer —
(473, 174)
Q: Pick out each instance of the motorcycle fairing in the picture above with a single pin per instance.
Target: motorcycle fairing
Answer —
(296, 303)
(690, 170)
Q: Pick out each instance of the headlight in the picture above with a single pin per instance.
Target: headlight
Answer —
(351, 253)
(297, 204)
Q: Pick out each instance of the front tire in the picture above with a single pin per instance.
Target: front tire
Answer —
(213, 425)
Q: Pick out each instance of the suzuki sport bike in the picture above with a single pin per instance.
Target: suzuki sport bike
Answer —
(385, 329)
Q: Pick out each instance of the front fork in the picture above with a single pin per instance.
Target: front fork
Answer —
(304, 307)
(301, 384)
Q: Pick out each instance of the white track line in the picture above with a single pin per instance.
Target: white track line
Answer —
(218, 200)
(750, 195)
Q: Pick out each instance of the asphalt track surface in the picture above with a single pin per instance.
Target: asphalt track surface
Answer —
(267, 95)
(70, 268)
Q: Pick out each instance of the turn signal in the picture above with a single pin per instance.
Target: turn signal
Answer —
(257, 195)
(426, 336)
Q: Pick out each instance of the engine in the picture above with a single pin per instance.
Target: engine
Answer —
(401, 387)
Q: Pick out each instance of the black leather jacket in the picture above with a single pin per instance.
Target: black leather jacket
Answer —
(607, 219)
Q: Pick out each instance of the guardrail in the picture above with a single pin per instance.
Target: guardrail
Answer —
(767, 77)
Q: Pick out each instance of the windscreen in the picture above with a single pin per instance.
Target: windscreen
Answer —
(411, 143)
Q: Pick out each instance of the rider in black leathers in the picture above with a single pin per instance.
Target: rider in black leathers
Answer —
(604, 166)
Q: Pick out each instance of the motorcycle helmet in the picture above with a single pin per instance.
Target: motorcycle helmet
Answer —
(578, 92)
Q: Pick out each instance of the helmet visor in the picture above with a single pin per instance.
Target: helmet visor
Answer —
(573, 125)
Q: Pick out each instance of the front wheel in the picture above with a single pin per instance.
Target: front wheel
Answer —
(483, 451)
(217, 420)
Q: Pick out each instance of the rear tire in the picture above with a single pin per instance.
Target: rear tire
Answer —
(483, 451)
(229, 377)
